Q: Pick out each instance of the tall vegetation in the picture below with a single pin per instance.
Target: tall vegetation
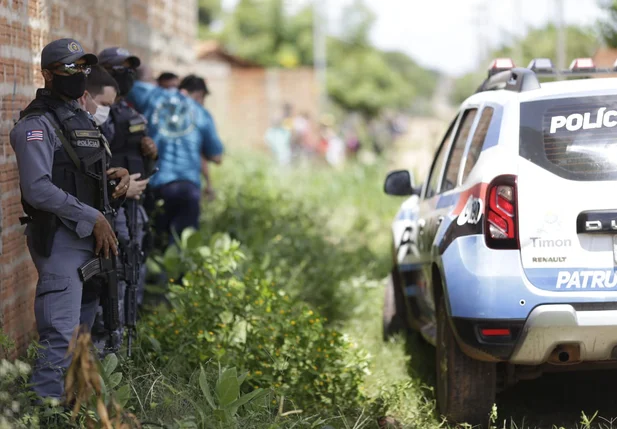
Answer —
(537, 43)
(362, 78)
(608, 23)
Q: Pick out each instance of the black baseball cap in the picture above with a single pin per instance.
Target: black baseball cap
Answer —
(65, 51)
(117, 56)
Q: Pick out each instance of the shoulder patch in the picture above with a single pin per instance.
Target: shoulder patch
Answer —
(34, 135)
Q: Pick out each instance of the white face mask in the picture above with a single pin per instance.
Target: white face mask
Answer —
(101, 114)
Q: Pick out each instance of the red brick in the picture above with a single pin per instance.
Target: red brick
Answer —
(97, 30)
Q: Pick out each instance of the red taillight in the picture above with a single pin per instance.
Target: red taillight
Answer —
(497, 221)
(500, 227)
(495, 332)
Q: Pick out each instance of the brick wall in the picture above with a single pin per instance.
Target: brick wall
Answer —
(161, 32)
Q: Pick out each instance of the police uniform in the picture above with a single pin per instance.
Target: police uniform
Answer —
(54, 141)
(125, 129)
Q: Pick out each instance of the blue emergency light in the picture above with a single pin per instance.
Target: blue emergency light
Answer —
(541, 65)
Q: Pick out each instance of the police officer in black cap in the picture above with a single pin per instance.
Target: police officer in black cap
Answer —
(134, 150)
(64, 173)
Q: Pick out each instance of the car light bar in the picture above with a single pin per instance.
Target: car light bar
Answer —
(522, 79)
(541, 65)
(500, 64)
(582, 64)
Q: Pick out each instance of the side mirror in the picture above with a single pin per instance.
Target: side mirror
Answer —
(399, 183)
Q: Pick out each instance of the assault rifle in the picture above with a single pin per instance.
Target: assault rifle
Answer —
(106, 268)
(132, 258)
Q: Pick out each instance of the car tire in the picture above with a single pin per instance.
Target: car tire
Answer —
(466, 387)
(393, 308)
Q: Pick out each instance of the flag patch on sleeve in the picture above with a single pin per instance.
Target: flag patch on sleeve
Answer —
(34, 135)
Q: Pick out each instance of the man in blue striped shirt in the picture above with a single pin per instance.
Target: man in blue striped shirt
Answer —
(186, 138)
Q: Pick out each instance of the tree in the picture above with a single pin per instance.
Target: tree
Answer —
(538, 43)
(360, 78)
(362, 81)
(208, 12)
(608, 25)
(542, 43)
(466, 85)
(356, 25)
(263, 31)
(424, 80)
(365, 80)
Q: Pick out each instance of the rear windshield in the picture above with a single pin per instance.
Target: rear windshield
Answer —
(575, 138)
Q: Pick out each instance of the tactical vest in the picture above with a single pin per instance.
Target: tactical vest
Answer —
(130, 129)
(79, 165)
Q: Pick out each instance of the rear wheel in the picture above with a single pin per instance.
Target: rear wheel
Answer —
(394, 315)
(465, 387)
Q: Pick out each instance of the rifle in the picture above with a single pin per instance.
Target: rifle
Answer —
(133, 258)
(106, 268)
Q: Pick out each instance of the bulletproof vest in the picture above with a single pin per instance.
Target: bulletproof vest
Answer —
(79, 165)
(129, 130)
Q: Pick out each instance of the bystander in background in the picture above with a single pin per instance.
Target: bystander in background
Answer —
(168, 80)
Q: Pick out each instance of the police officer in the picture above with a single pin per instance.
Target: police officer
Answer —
(132, 149)
(63, 170)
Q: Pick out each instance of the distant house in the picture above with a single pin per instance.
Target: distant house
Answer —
(245, 97)
(213, 51)
(605, 57)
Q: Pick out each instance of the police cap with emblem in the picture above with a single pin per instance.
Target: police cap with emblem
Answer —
(65, 51)
(117, 56)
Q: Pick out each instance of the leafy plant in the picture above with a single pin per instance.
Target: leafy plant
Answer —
(227, 398)
(242, 319)
(89, 386)
(12, 398)
(297, 238)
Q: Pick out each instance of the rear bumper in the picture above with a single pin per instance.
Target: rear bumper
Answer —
(486, 287)
(549, 331)
(592, 333)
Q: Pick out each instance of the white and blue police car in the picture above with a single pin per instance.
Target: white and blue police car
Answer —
(505, 258)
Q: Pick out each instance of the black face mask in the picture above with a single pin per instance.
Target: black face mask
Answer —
(71, 86)
(125, 80)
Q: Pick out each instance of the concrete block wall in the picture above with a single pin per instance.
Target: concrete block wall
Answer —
(162, 32)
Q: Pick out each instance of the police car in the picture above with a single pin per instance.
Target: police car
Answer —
(505, 257)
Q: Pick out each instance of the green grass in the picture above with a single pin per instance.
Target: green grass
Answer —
(357, 210)
(338, 223)
(312, 242)
(398, 379)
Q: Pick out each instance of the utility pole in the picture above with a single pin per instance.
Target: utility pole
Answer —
(517, 32)
(480, 21)
(561, 36)
(319, 52)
